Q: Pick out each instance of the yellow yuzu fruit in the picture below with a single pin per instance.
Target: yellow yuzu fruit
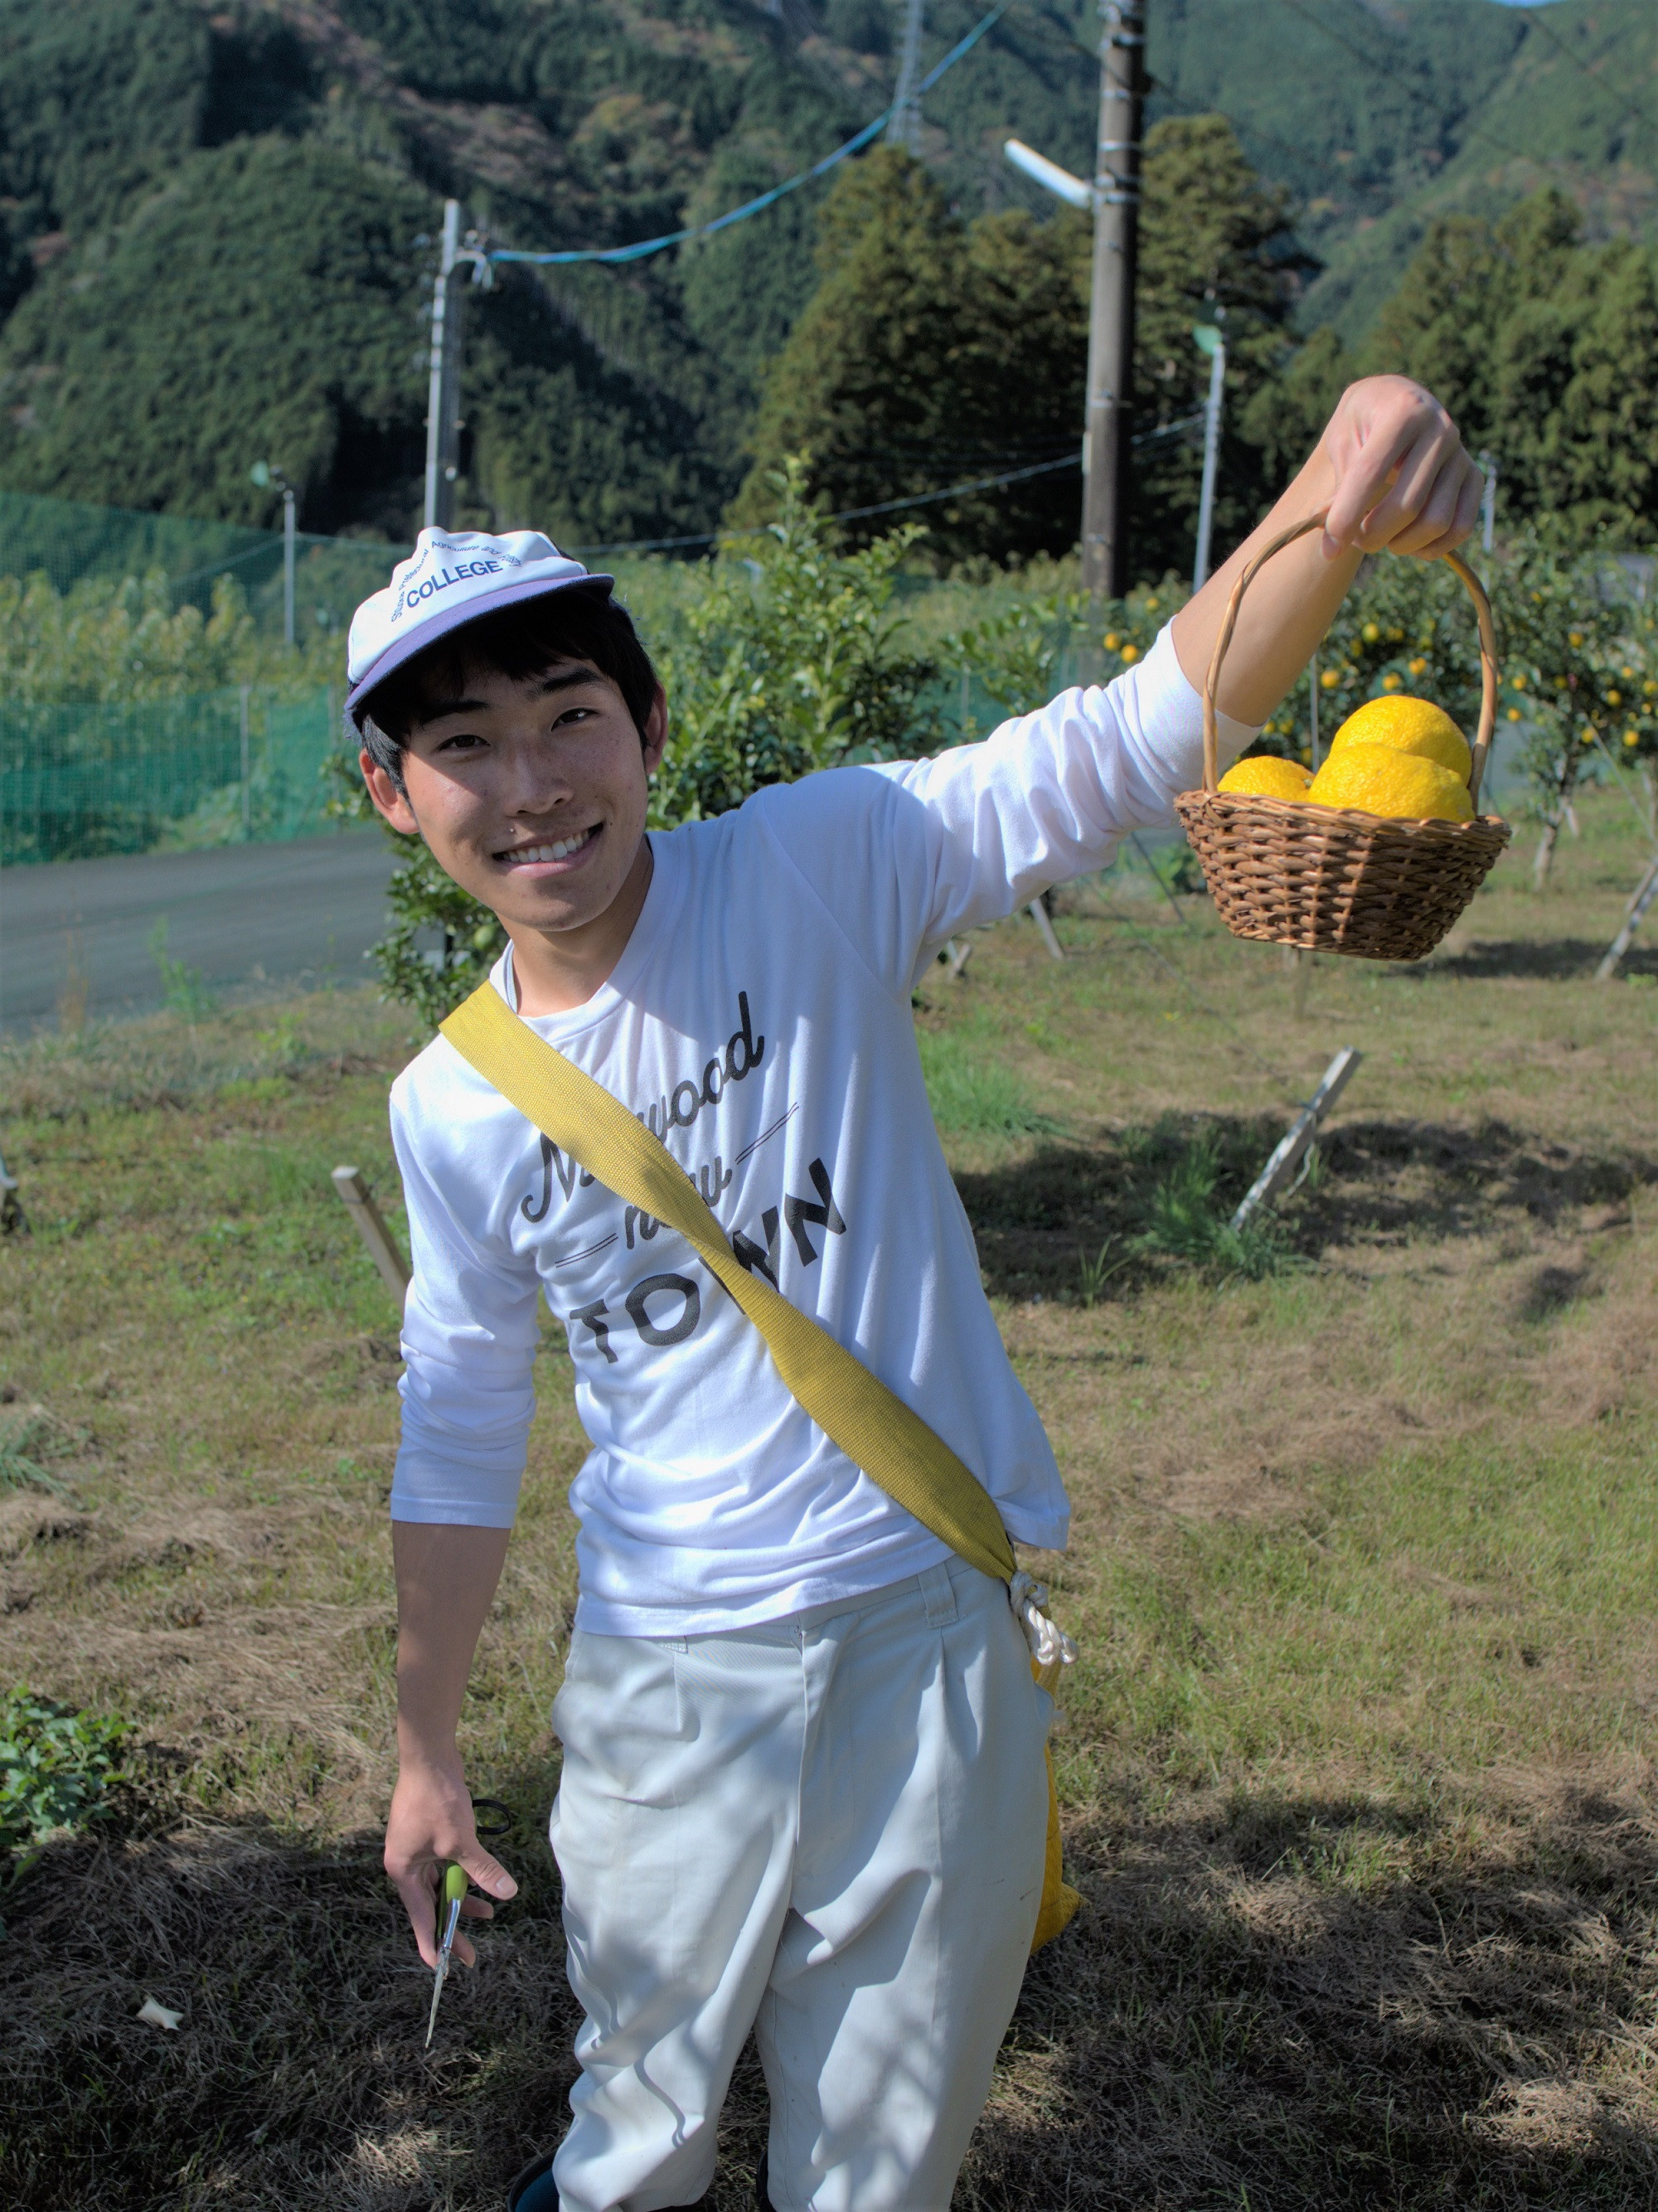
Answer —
(1382, 781)
(1409, 725)
(1265, 777)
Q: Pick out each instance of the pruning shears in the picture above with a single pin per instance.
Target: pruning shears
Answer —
(452, 1896)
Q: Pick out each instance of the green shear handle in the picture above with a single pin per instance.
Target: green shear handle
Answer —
(453, 1895)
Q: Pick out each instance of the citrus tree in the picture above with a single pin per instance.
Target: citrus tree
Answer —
(793, 657)
(110, 638)
(1020, 652)
(1580, 670)
(126, 640)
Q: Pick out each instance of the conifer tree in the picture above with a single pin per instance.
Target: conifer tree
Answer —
(936, 350)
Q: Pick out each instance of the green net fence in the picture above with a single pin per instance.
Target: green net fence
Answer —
(83, 774)
(215, 768)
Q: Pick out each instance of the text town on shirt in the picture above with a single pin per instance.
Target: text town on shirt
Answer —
(678, 1110)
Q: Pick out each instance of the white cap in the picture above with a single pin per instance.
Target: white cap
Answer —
(452, 577)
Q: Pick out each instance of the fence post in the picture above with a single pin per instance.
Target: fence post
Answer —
(1646, 892)
(247, 795)
(1038, 913)
(1312, 706)
(1286, 1156)
(1488, 501)
(14, 1222)
(349, 1183)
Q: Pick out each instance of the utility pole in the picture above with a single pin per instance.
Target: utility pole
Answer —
(904, 128)
(1111, 319)
(1211, 340)
(1488, 501)
(244, 748)
(443, 395)
(290, 546)
(264, 475)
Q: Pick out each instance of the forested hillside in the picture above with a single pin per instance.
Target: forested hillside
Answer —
(219, 215)
(215, 227)
(1381, 115)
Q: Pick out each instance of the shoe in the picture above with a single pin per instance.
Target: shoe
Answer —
(534, 2190)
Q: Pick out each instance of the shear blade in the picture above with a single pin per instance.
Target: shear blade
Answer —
(441, 1970)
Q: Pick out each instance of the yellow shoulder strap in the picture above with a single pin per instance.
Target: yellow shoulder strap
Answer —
(871, 1425)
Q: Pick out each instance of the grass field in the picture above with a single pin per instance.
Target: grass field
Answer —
(1358, 1762)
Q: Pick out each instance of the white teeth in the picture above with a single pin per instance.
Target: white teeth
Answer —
(560, 849)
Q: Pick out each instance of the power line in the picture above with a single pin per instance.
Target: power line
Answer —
(644, 247)
(1618, 99)
(1450, 114)
(854, 145)
(957, 491)
(1161, 92)
(885, 507)
(846, 514)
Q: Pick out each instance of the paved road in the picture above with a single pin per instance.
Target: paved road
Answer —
(245, 915)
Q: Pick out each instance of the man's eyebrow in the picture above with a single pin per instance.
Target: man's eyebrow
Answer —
(439, 710)
(568, 679)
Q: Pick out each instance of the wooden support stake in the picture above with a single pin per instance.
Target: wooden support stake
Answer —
(1288, 1155)
(373, 1232)
(1646, 892)
(14, 1222)
(1039, 914)
(1153, 872)
(957, 954)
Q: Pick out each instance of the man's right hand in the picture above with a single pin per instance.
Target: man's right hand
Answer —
(446, 1575)
(430, 1823)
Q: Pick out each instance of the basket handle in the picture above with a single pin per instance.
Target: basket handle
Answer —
(1488, 671)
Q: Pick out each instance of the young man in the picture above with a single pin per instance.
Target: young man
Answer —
(802, 1790)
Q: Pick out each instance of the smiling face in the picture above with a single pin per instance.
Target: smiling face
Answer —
(531, 794)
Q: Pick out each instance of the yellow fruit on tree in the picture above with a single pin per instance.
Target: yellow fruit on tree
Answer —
(1380, 781)
(1409, 725)
(1263, 776)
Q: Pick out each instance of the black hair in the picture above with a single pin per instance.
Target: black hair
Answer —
(516, 641)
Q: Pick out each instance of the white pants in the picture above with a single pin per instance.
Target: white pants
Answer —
(830, 1829)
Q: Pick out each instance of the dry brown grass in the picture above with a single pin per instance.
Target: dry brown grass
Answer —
(1358, 1762)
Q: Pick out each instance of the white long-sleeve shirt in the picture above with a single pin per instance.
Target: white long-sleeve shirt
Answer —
(759, 1019)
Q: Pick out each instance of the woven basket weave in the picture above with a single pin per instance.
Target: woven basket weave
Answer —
(1332, 879)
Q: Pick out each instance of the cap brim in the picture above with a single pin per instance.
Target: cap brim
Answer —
(453, 618)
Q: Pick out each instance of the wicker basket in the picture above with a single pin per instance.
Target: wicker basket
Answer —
(1332, 879)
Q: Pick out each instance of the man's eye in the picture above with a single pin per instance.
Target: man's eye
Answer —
(463, 743)
(573, 714)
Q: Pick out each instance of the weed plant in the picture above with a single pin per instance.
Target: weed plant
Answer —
(183, 989)
(57, 1767)
(26, 1439)
(1188, 1221)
